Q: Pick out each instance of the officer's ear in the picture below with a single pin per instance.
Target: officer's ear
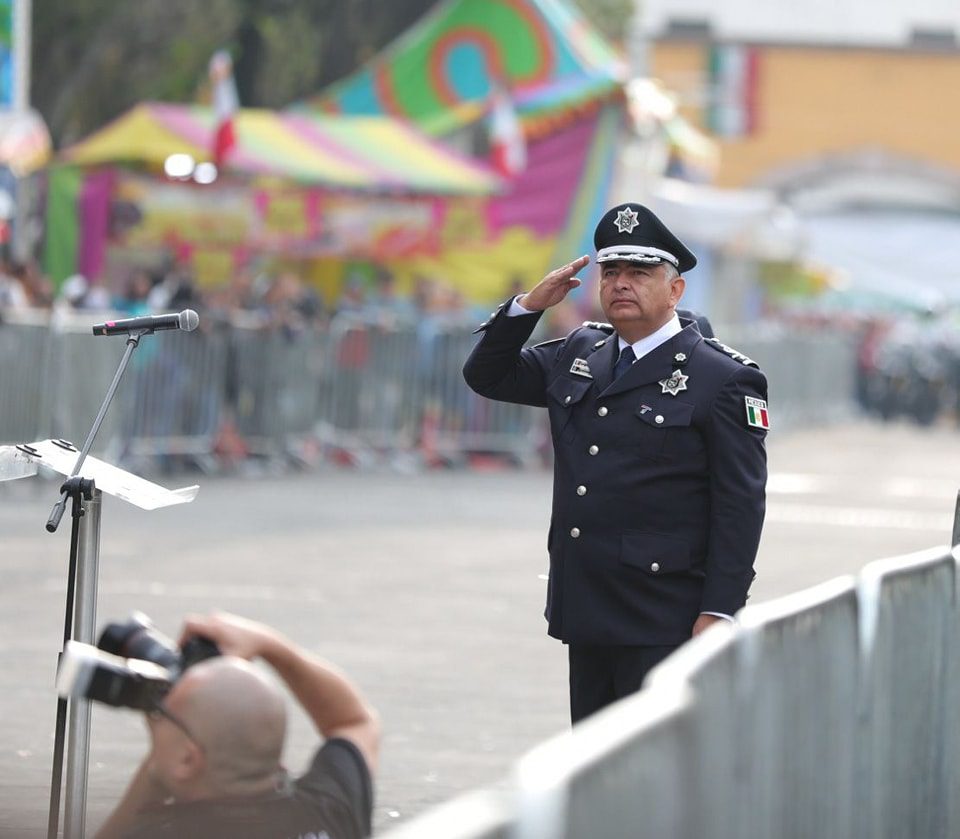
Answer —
(677, 286)
(191, 762)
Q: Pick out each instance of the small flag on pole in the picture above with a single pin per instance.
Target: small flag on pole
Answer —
(225, 105)
(508, 148)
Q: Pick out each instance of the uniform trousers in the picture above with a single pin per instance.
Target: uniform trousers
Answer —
(600, 675)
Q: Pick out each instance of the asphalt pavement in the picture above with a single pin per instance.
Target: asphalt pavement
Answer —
(427, 588)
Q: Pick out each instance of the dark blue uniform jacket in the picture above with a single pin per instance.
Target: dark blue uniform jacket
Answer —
(658, 499)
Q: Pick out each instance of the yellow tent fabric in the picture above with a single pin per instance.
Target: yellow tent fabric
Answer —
(361, 153)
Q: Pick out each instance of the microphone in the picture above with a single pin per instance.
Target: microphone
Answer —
(186, 320)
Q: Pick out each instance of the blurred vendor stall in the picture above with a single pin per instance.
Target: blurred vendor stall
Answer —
(530, 85)
(313, 188)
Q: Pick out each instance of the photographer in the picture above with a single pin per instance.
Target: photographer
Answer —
(216, 738)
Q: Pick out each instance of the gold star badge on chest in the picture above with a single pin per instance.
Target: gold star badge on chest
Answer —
(676, 383)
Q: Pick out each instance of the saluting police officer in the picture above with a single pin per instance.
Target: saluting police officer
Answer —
(660, 461)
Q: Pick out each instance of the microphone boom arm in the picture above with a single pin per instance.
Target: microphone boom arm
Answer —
(133, 341)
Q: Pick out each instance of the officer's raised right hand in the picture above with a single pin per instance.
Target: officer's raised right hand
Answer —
(553, 287)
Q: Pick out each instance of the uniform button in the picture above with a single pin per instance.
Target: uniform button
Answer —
(655, 566)
(575, 532)
(593, 450)
(602, 411)
(566, 400)
(658, 419)
(581, 490)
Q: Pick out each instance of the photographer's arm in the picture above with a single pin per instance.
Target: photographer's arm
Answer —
(327, 695)
(143, 791)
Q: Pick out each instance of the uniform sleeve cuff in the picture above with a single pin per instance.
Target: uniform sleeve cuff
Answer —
(516, 309)
(720, 615)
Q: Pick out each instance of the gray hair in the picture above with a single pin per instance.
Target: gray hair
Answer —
(670, 272)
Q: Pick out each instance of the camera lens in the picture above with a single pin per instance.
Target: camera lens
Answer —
(137, 638)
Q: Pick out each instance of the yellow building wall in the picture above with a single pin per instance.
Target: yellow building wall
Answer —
(817, 101)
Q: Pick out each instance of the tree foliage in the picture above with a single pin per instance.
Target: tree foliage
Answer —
(94, 59)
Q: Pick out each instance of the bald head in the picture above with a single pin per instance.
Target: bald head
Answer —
(237, 715)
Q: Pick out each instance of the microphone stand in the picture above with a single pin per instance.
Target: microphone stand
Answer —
(79, 621)
(133, 341)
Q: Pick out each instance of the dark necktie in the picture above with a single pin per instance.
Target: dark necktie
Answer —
(623, 363)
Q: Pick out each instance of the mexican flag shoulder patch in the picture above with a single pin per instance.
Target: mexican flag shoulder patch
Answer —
(757, 415)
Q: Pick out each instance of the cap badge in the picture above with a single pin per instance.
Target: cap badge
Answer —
(675, 383)
(627, 219)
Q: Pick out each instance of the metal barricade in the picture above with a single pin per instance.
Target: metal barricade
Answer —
(832, 712)
(908, 634)
(24, 361)
(381, 373)
(275, 383)
(625, 772)
(173, 402)
(484, 814)
(79, 372)
(811, 375)
(465, 423)
(711, 665)
(54, 376)
(798, 706)
(375, 387)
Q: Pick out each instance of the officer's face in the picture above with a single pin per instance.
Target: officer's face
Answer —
(637, 298)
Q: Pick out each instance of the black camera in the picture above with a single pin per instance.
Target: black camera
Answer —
(132, 666)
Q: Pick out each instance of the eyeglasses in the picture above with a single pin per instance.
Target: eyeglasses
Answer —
(158, 712)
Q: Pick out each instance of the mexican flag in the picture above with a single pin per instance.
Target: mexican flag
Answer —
(508, 148)
(225, 104)
(757, 415)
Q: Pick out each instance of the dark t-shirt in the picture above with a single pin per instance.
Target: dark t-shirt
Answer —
(332, 800)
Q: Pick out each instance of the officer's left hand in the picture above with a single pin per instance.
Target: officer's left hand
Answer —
(703, 622)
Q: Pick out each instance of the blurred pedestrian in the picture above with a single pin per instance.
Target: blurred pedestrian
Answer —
(13, 294)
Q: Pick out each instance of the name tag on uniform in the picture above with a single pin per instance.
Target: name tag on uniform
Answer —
(580, 368)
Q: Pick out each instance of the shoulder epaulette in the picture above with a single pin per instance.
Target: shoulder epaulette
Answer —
(734, 354)
(603, 327)
(551, 341)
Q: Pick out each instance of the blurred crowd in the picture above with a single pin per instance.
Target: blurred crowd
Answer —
(909, 367)
(253, 298)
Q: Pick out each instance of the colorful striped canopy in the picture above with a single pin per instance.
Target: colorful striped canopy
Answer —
(544, 51)
(376, 154)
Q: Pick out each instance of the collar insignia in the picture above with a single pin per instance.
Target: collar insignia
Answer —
(580, 368)
(627, 219)
(675, 383)
(680, 357)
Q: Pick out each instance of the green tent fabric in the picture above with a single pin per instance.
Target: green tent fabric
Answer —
(543, 51)
(63, 230)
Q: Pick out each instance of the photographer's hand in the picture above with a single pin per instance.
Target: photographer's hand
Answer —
(232, 634)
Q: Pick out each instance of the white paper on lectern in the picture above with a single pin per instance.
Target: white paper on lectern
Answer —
(109, 479)
(16, 464)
